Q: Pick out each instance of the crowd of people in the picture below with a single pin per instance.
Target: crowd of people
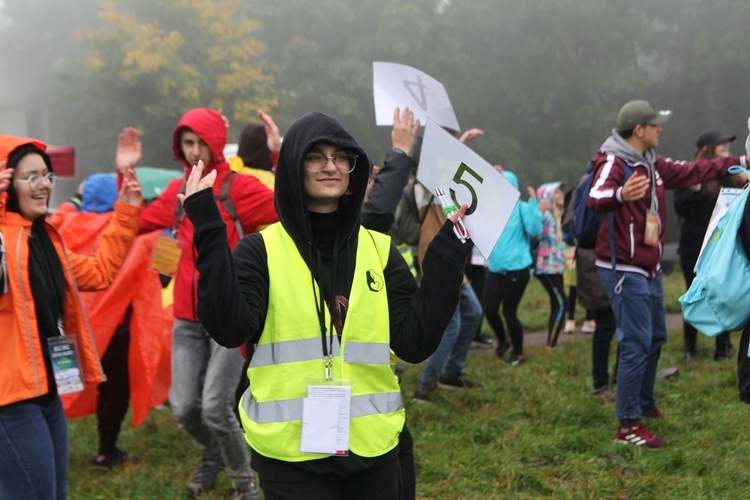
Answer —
(295, 292)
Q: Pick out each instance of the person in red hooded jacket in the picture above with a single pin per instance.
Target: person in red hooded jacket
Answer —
(204, 374)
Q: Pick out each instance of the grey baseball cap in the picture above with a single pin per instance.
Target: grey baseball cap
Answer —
(640, 112)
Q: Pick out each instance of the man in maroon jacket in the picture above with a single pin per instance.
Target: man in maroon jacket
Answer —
(204, 374)
(628, 185)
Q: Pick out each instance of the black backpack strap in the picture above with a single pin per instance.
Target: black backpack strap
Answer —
(226, 201)
(224, 198)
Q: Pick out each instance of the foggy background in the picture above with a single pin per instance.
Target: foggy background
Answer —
(543, 78)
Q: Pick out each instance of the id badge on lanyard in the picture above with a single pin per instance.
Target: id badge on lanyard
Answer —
(326, 413)
(651, 236)
(167, 254)
(66, 365)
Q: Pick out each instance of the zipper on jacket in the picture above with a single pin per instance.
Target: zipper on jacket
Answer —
(632, 239)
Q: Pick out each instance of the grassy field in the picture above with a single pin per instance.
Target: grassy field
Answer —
(533, 431)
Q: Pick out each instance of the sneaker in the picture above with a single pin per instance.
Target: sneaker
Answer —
(570, 326)
(481, 342)
(589, 326)
(550, 348)
(725, 353)
(110, 460)
(516, 360)
(423, 395)
(502, 349)
(456, 383)
(638, 435)
(204, 477)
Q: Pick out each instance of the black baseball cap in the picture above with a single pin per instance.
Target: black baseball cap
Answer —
(713, 137)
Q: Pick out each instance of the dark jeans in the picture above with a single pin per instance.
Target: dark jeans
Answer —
(476, 275)
(687, 263)
(507, 289)
(33, 450)
(600, 346)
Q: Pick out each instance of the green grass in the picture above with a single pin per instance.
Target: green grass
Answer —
(533, 431)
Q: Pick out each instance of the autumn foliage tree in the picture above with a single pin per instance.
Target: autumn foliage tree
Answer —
(149, 62)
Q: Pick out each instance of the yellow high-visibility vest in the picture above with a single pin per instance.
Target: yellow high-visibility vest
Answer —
(290, 352)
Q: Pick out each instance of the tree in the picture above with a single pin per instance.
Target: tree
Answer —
(152, 61)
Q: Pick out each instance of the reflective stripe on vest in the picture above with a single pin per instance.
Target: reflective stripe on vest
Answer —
(289, 355)
(291, 409)
(292, 351)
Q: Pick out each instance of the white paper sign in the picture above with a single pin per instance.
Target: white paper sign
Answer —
(469, 179)
(396, 85)
(726, 197)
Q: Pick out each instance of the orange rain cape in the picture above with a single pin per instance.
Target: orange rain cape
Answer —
(151, 324)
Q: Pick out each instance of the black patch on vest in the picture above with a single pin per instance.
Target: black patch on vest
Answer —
(374, 281)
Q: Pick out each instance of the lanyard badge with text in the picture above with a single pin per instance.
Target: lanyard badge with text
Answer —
(63, 353)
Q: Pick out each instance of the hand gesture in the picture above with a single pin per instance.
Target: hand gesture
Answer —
(635, 188)
(404, 130)
(130, 191)
(272, 132)
(6, 177)
(532, 192)
(545, 205)
(128, 150)
(470, 135)
(196, 182)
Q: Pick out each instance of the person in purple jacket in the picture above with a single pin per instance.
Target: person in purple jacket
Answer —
(629, 249)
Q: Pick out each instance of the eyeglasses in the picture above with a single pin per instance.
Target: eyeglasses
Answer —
(35, 180)
(316, 162)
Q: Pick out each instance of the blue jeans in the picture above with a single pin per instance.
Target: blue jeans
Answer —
(204, 380)
(33, 451)
(456, 340)
(638, 305)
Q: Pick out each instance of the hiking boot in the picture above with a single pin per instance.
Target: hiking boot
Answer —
(110, 460)
(456, 383)
(516, 360)
(589, 326)
(500, 350)
(423, 394)
(638, 435)
(570, 326)
(204, 477)
(243, 485)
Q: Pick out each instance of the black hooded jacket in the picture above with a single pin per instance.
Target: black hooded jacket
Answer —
(233, 290)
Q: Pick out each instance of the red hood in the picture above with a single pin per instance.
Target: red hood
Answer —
(210, 126)
(8, 143)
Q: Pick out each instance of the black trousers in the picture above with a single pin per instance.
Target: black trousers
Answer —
(114, 394)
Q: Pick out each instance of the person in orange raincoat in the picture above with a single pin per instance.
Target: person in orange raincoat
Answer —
(47, 344)
(130, 326)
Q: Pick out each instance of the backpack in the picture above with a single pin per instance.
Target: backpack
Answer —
(407, 222)
(581, 226)
(718, 300)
